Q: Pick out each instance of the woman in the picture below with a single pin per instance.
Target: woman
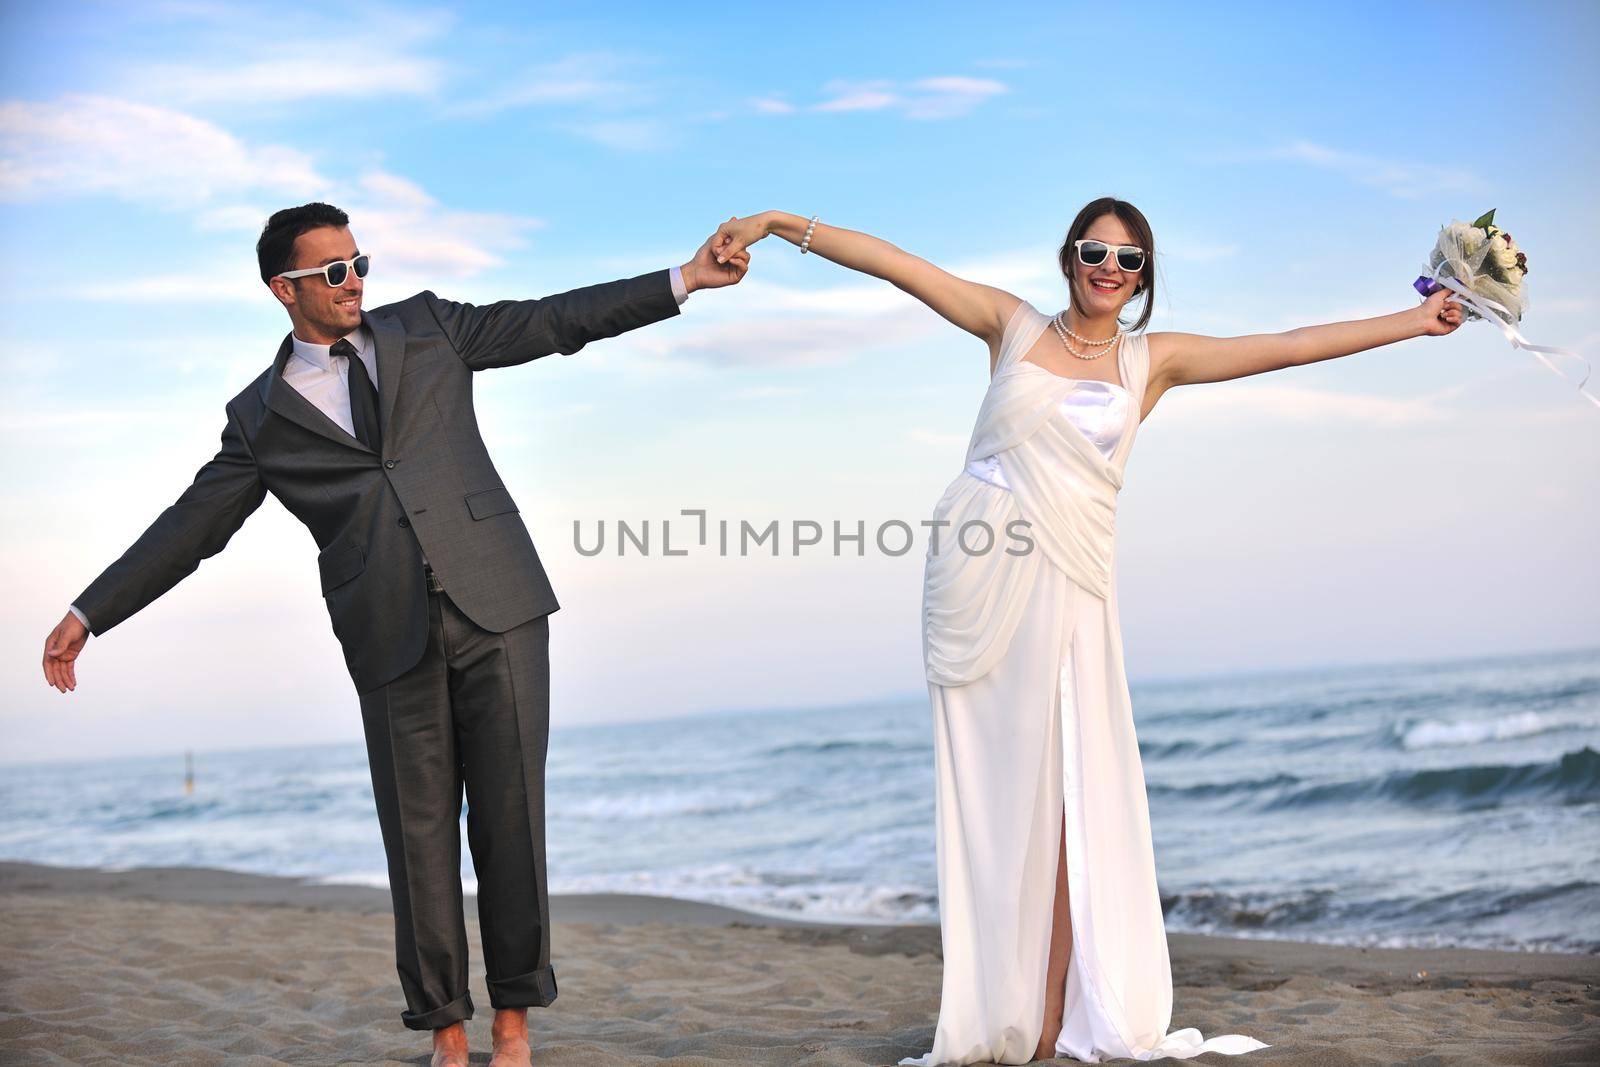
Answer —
(1051, 923)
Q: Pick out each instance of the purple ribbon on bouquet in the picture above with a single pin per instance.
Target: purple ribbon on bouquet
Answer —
(1491, 311)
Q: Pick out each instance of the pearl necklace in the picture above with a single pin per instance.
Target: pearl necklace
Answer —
(1062, 331)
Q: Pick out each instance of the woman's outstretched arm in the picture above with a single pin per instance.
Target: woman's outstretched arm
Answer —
(1188, 358)
(981, 310)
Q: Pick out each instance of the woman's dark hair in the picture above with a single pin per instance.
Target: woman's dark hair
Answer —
(275, 249)
(1137, 225)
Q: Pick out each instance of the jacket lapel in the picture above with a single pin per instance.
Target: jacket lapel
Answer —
(391, 342)
(287, 401)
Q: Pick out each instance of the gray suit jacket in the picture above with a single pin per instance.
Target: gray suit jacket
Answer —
(432, 490)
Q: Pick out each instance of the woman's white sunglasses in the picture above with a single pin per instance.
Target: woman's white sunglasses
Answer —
(334, 273)
(1093, 253)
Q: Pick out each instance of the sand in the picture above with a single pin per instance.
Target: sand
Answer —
(185, 966)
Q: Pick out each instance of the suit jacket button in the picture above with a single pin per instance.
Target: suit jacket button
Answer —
(389, 463)
(404, 522)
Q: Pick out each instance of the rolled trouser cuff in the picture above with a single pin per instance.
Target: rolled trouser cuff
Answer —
(536, 989)
(458, 1010)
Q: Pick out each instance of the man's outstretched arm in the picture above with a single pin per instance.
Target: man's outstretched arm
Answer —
(509, 332)
(197, 525)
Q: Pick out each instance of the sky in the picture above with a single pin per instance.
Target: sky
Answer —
(1427, 500)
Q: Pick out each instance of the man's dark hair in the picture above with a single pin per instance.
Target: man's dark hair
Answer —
(275, 249)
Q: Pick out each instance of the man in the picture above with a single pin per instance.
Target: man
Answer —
(363, 427)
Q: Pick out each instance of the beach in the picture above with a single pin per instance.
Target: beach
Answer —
(195, 966)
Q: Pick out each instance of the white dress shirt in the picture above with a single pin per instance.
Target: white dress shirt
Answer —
(325, 381)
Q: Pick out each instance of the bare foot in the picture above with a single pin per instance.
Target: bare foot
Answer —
(450, 1046)
(510, 1035)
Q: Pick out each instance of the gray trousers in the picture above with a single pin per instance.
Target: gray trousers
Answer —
(474, 711)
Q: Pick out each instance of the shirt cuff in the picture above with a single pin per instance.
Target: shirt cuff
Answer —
(81, 616)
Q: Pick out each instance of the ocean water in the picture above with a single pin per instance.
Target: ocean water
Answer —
(1423, 804)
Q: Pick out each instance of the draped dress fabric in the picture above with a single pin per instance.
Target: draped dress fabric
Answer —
(1033, 723)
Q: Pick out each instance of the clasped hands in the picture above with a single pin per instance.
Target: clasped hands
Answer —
(725, 257)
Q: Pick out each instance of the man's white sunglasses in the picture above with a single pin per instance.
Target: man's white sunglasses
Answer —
(334, 273)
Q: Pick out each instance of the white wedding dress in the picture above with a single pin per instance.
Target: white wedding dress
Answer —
(1032, 721)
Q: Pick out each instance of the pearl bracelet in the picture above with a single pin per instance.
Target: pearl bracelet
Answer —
(806, 240)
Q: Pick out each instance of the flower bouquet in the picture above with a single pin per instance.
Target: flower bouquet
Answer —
(1485, 269)
(1483, 258)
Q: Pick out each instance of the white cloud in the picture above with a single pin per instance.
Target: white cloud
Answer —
(1191, 251)
(413, 240)
(786, 325)
(1296, 404)
(1404, 180)
(595, 78)
(944, 97)
(409, 232)
(234, 280)
(759, 298)
(297, 75)
(596, 95)
(847, 96)
(252, 58)
(779, 326)
(393, 189)
(765, 340)
(81, 144)
(1023, 272)
(1454, 403)
(949, 97)
(88, 145)
(626, 135)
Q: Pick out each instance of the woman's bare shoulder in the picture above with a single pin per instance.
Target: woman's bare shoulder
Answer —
(1008, 309)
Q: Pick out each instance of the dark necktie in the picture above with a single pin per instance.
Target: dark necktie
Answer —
(363, 398)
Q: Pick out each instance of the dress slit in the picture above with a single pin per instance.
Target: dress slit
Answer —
(1059, 716)
(1081, 965)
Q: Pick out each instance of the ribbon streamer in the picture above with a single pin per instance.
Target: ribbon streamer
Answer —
(1492, 311)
